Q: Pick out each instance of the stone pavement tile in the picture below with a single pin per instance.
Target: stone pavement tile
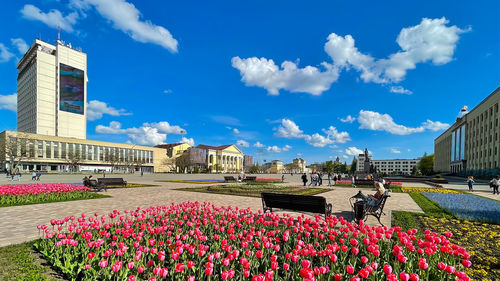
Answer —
(18, 223)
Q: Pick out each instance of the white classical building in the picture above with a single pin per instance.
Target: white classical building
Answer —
(389, 166)
(224, 158)
(52, 90)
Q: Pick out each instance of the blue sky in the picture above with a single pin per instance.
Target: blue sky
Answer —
(279, 76)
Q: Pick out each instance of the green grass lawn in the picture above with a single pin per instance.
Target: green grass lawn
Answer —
(8, 200)
(254, 190)
(394, 188)
(21, 262)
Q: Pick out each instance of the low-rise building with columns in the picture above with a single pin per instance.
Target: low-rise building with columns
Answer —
(223, 158)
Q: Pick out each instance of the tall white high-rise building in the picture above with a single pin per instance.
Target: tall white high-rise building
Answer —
(52, 91)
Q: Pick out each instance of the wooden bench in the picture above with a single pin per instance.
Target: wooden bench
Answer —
(368, 210)
(112, 181)
(250, 179)
(91, 183)
(300, 203)
(229, 178)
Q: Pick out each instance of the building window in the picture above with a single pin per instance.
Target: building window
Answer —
(63, 150)
(31, 148)
(101, 153)
(40, 149)
(84, 152)
(56, 150)
(70, 150)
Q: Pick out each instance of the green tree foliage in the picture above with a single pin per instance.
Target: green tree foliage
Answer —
(254, 169)
(426, 165)
(354, 165)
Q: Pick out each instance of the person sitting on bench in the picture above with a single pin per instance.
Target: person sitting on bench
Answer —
(373, 199)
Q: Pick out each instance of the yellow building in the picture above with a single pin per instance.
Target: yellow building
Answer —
(28, 152)
(225, 158)
(472, 142)
(274, 167)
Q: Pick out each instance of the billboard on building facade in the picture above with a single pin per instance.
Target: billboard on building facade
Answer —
(71, 89)
(197, 155)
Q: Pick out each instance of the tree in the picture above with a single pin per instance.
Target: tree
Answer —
(112, 157)
(183, 162)
(15, 149)
(329, 166)
(354, 165)
(415, 171)
(426, 164)
(254, 169)
(74, 159)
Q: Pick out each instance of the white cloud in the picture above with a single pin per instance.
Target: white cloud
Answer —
(383, 122)
(400, 90)
(8, 102)
(345, 156)
(5, 54)
(236, 131)
(258, 144)
(429, 41)
(20, 44)
(189, 141)
(53, 19)
(286, 147)
(288, 129)
(353, 151)
(266, 74)
(348, 119)
(395, 150)
(95, 110)
(168, 91)
(273, 148)
(126, 17)
(147, 134)
(242, 143)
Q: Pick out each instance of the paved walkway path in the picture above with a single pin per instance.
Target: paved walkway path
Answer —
(18, 223)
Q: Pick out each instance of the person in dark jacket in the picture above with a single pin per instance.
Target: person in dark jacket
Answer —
(304, 179)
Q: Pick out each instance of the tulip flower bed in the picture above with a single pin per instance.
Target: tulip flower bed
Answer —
(254, 189)
(468, 206)
(429, 189)
(24, 194)
(481, 239)
(193, 241)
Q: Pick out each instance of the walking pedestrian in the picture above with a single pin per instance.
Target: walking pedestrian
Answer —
(495, 183)
(329, 179)
(38, 174)
(283, 178)
(470, 183)
(33, 175)
(304, 179)
(320, 179)
(335, 179)
(353, 181)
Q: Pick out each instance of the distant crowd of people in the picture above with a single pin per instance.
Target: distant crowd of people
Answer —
(15, 174)
(317, 178)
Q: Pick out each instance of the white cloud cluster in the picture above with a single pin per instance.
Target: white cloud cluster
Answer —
(8, 102)
(395, 150)
(5, 54)
(95, 110)
(430, 41)
(278, 149)
(348, 119)
(147, 134)
(20, 44)
(266, 74)
(400, 90)
(242, 143)
(54, 18)
(288, 129)
(353, 151)
(383, 122)
(189, 141)
(123, 15)
(258, 144)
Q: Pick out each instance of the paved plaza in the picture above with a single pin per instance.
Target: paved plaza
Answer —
(19, 223)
